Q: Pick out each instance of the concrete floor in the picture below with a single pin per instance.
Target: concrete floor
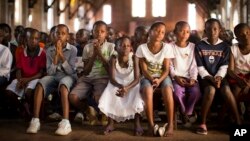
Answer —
(14, 130)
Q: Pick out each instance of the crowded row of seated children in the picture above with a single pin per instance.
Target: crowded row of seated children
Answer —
(122, 76)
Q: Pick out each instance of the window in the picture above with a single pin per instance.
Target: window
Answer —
(50, 16)
(138, 8)
(18, 12)
(62, 15)
(158, 8)
(76, 24)
(192, 16)
(107, 13)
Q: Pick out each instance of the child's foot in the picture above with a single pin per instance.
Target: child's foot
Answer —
(108, 129)
(202, 129)
(152, 131)
(138, 131)
(169, 130)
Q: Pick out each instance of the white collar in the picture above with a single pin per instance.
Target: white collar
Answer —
(218, 42)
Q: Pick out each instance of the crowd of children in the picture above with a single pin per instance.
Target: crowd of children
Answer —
(116, 77)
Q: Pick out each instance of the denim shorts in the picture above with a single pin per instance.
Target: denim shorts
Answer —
(53, 83)
(166, 82)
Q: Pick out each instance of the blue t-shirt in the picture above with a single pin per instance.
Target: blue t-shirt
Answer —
(212, 57)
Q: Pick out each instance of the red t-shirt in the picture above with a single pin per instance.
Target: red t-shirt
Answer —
(30, 66)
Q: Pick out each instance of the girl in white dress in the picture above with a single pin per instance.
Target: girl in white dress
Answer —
(121, 100)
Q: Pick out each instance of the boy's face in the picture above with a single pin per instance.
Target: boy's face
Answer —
(158, 33)
(72, 39)
(4, 37)
(61, 34)
(243, 36)
(111, 34)
(82, 37)
(32, 40)
(100, 32)
(213, 30)
(141, 36)
(124, 47)
(184, 33)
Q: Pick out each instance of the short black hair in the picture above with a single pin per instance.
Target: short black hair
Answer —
(5, 27)
(238, 27)
(120, 39)
(97, 23)
(63, 25)
(212, 20)
(179, 25)
(156, 24)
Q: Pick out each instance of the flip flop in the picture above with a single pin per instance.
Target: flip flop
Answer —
(138, 131)
(162, 129)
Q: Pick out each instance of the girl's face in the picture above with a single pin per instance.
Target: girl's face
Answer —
(100, 32)
(32, 40)
(124, 48)
(183, 33)
(244, 36)
(61, 34)
(157, 33)
(213, 30)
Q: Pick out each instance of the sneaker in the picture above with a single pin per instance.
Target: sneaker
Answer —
(55, 116)
(162, 129)
(34, 126)
(64, 128)
(79, 117)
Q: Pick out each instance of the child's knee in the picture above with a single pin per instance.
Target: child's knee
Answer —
(210, 90)
(73, 98)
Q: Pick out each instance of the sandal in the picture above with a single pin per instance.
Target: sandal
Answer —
(108, 130)
(156, 128)
(201, 131)
(138, 132)
(162, 129)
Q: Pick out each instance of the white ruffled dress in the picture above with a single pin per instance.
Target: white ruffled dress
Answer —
(122, 108)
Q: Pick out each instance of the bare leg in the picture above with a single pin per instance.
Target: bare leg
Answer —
(80, 105)
(38, 97)
(230, 99)
(110, 127)
(167, 94)
(65, 101)
(138, 131)
(148, 99)
(206, 104)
